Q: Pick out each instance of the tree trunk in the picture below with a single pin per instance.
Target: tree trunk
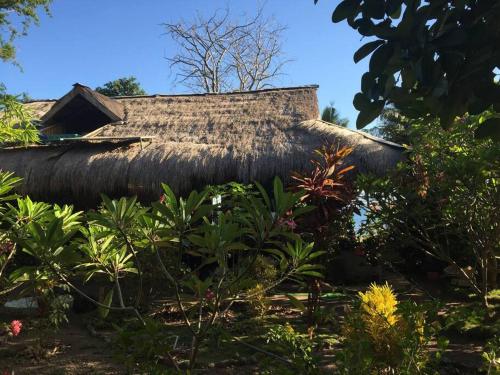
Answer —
(313, 301)
(194, 352)
(484, 278)
(493, 271)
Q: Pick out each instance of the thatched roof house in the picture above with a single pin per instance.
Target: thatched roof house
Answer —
(129, 145)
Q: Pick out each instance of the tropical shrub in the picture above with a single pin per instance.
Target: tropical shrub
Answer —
(228, 242)
(257, 300)
(382, 335)
(296, 346)
(208, 253)
(150, 344)
(325, 187)
(443, 202)
(16, 122)
(491, 356)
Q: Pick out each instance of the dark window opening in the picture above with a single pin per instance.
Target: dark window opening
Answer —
(77, 118)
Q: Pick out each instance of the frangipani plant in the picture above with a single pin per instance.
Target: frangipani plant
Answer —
(224, 245)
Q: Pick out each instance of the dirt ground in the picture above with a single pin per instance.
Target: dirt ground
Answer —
(70, 350)
(77, 349)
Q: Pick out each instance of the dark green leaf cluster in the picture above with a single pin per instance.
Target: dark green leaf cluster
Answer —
(205, 251)
(428, 57)
(331, 115)
(296, 346)
(17, 125)
(126, 86)
(442, 203)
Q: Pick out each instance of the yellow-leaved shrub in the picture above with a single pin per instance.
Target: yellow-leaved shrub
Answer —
(383, 335)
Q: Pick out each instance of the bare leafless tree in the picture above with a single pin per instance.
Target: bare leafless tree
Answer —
(258, 57)
(219, 54)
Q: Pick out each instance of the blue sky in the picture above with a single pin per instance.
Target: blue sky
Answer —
(95, 41)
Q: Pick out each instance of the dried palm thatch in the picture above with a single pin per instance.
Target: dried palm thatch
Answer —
(198, 140)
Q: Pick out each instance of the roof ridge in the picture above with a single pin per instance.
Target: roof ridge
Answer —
(362, 133)
(271, 89)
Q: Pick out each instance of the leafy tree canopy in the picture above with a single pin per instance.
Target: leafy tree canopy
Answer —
(15, 18)
(393, 126)
(126, 86)
(443, 201)
(16, 122)
(435, 58)
(330, 114)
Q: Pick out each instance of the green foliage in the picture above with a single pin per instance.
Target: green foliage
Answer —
(464, 318)
(295, 345)
(442, 202)
(7, 184)
(472, 319)
(228, 243)
(428, 57)
(209, 256)
(58, 306)
(491, 356)
(16, 16)
(231, 189)
(331, 115)
(42, 233)
(7, 245)
(105, 257)
(126, 86)
(257, 300)
(393, 127)
(148, 344)
(16, 122)
(301, 256)
(228, 196)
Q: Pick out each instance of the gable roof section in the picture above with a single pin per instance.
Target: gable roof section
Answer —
(194, 140)
(232, 119)
(109, 107)
(245, 121)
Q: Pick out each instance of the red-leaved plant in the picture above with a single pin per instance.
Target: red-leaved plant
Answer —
(326, 188)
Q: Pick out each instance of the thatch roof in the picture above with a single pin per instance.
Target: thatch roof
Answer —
(197, 140)
(61, 109)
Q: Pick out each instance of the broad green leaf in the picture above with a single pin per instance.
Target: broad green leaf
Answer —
(367, 116)
(319, 275)
(108, 299)
(380, 58)
(393, 8)
(345, 9)
(296, 303)
(361, 102)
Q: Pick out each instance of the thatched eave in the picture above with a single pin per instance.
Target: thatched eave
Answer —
(193, 141)
(371, 154)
